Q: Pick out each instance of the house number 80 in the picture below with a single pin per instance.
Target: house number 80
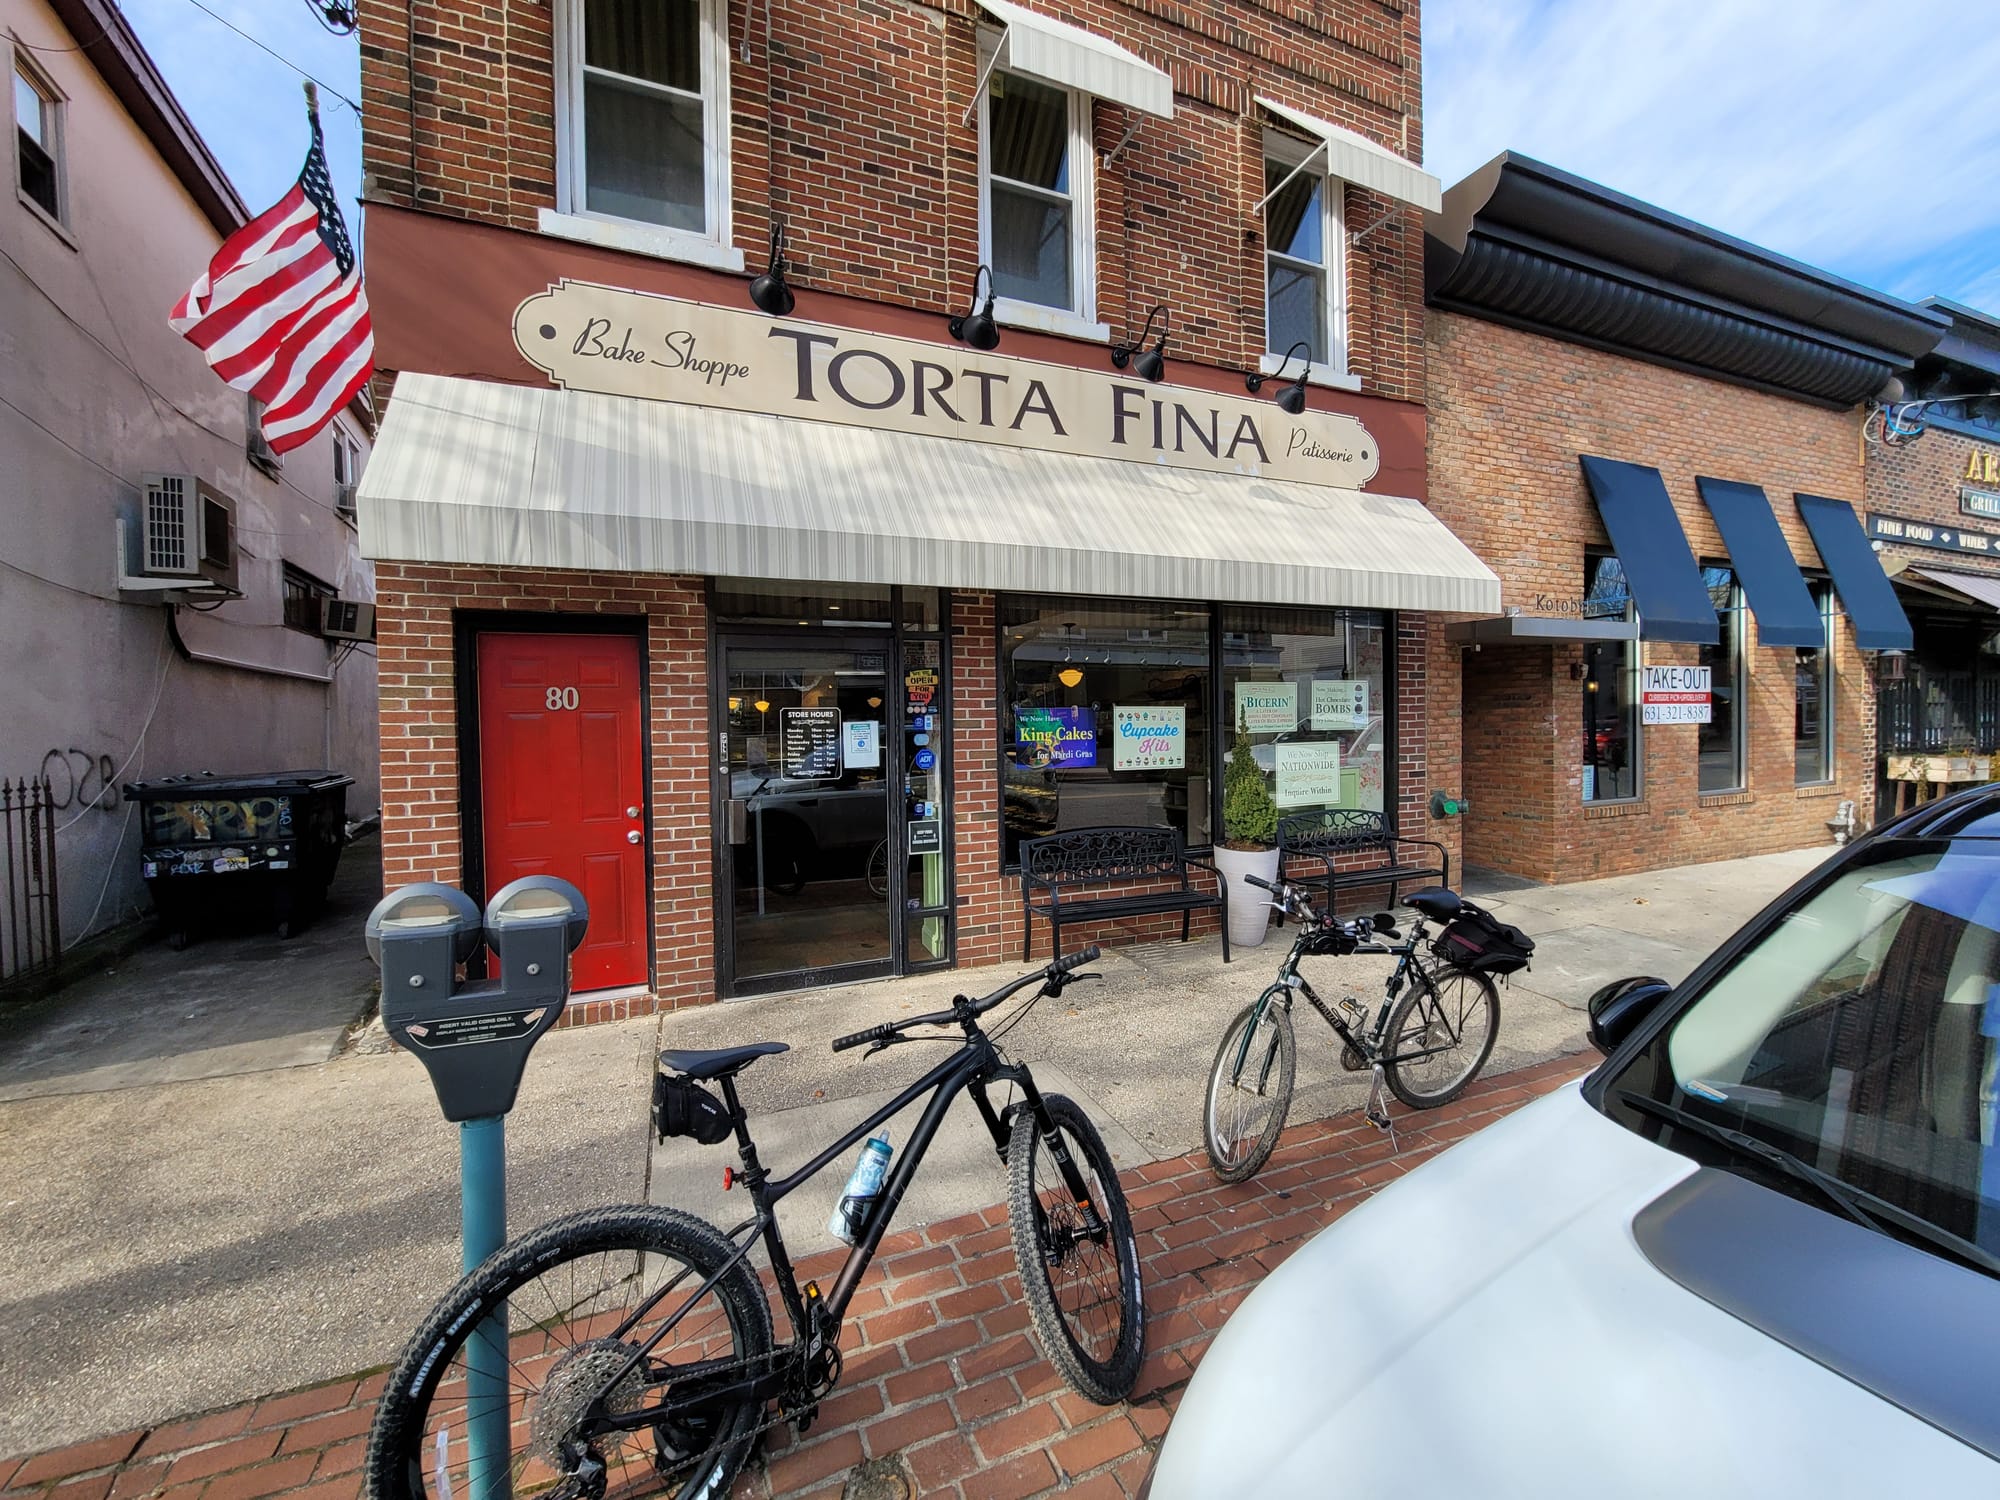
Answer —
(560, 698)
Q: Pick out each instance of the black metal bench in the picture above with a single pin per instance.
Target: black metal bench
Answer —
(1347, 833)
(1059, 870)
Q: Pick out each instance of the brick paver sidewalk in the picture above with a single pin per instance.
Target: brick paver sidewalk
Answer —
(942, 1372)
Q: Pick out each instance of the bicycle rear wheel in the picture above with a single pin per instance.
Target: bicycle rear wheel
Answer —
(1249, 1090)
(1079, 1260)
(575, 1296)
(1449, 1018)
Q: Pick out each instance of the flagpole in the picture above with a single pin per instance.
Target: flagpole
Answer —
(312, 99)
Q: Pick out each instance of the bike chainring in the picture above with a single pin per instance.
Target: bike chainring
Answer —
(1352, 1060)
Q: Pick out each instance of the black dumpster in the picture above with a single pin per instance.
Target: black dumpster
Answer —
(214, 845)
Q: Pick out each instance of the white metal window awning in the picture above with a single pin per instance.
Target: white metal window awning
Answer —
(479, 473)
(1356, 159)
(1057, 52)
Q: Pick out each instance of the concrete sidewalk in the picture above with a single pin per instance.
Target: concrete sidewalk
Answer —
(179, 1246)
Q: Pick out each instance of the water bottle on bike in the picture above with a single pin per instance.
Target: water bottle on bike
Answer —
(850, 1215)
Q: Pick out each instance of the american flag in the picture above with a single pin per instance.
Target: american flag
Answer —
(280, 312)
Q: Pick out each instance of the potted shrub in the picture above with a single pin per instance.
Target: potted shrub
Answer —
(1249, 842)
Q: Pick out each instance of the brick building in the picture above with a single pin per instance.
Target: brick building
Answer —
(778, 609)
(1933, 494)
(1651, 432)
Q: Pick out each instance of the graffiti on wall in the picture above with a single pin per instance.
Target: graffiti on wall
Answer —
(78, 779)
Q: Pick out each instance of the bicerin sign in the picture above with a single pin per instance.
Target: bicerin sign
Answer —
(625, 343)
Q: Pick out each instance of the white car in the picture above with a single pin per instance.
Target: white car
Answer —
(1757, 1252)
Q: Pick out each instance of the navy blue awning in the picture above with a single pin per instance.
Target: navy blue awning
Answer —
(1779, 598)
(1666, 585)
(1865, 591)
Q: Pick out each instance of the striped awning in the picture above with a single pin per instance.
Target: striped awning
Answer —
(1057, 52)
(1354, 158)
(477, 472)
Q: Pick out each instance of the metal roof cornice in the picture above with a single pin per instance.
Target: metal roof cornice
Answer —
(1526, 244)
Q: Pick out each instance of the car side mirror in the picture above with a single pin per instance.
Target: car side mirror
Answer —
(1618, 1010)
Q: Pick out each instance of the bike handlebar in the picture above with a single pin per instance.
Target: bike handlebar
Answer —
(1055, 974)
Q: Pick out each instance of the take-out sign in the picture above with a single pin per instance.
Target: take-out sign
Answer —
(1675, 695)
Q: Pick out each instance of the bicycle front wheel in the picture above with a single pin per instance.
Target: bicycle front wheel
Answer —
(1249, 1090)
(1078, 1257)
(1440, 1035)
(471, 1415)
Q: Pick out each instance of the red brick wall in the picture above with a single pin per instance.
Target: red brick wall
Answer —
(422, 838)
(848, 123)
(1509, 413)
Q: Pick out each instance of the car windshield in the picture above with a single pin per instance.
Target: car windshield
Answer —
(1860, 1036)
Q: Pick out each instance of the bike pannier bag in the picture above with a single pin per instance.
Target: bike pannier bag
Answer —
(683, 1107)
(1481, 943)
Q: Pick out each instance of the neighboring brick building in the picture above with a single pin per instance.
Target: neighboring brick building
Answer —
(1934, 514)
(1570, 326)
(828, 612)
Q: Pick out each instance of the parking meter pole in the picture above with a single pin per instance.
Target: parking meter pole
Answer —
(482, 1168)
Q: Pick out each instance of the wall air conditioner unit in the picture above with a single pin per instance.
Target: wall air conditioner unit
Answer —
(343, 499)
(187, 530)
(347, 619)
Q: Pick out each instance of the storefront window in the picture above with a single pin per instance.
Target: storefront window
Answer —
(1306, 686)
(1610, 702)
(764, 601)
(1812, 719)
(1105, 716)
(1721, 738)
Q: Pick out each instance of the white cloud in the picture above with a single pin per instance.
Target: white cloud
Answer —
(1855, 138)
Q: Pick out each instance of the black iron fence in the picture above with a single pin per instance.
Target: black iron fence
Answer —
(1939, 711)
(31, 924)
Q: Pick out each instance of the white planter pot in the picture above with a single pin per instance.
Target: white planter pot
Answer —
(1249, 907)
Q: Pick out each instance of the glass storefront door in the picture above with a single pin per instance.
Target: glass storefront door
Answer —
(805, 825)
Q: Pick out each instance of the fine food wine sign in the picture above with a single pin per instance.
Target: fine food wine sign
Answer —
(598, 338)
(1675, 695)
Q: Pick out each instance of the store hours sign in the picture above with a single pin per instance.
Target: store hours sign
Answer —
(587, 337)
(1675, 695)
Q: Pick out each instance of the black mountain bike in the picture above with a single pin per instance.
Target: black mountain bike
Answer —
(640, 1358)
(1428, 1039)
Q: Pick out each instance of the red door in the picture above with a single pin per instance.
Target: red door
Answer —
(562, 784)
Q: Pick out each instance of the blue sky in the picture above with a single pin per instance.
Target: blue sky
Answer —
(1863, 139)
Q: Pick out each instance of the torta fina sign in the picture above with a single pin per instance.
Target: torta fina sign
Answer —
(626, 343)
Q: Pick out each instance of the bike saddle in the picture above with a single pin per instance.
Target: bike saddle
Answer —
(719, 1063)
(1435, 902)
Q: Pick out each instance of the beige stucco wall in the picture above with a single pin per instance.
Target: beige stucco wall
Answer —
(96, 390)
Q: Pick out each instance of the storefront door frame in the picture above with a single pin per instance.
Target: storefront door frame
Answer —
(890, 639)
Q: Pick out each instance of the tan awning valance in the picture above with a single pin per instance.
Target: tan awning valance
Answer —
(1057, 52)
(480, 473)
(1356, 159)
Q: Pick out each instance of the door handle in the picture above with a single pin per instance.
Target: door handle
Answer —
(634, 836)
(736, 820)
(631, 812)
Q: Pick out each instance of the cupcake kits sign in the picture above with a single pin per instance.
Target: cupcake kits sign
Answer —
(1149, 737)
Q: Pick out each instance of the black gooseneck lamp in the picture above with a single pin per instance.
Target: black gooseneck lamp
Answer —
(769, 293)
(976, 327)
(1150, 363)
(1292, 399)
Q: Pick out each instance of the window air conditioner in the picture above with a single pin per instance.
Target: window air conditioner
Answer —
(347, 619)
(343, 498)
(188, 530)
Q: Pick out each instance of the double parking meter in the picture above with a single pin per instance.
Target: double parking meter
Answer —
(474, 1038)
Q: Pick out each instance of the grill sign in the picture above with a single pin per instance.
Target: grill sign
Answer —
(1675, 695)
(625, 343)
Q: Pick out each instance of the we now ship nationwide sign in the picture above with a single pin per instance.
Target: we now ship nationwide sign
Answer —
(1675, 695)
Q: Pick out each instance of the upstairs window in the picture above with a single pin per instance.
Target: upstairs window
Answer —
(647, 113)
(303, 599)
(1303, 271)
(37, 140)
(346, 470)
(1034, 194)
